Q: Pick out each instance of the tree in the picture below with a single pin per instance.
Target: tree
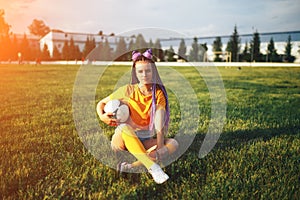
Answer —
(288, 51)
(131, 45)
(217, 47)
(100, 55)
(157, 51)
(72, 49)
(4, 27)
(77, 53)
(25, 49)
(202, 52)
(66, 51)
(4, 37)
(150, 45)
(38, 28)
(14, 48)
(255, 48)
(89, 46)
(194, 52)
(170, 54)
(120, 53)
(233, 45)
(246, 56)
(272, 55)
(140, 42)
(56, 55)
(6, 49)
(182, 50)
(107, 54)
(45, 53)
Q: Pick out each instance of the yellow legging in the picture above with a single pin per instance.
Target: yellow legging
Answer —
(135, 147)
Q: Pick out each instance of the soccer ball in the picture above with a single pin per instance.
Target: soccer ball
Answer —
(120, 109)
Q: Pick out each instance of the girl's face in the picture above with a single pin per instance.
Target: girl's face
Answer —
(144, 72)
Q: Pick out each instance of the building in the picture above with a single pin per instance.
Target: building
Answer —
(57, 38)
(33, 41)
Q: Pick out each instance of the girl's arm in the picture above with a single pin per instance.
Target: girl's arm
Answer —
(105, 117)
(159, 122)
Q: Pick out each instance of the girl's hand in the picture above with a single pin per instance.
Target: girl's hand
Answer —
(108, 118)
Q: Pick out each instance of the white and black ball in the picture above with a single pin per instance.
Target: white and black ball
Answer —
(120, 109)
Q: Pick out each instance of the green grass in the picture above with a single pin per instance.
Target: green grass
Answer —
(256, 157)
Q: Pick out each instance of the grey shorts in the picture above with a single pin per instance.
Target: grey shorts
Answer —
(143, 135)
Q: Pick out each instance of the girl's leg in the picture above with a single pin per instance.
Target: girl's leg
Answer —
(171, 145)
(118, 145)
(137, 149)
(134, 145)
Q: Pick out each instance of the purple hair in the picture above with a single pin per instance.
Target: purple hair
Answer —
(156, 83)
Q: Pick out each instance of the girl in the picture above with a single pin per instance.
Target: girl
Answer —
(149, 115)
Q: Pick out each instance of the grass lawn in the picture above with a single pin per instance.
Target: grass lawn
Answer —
(256, 157)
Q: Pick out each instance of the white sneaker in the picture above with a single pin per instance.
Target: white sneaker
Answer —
(124, 167)
(158, 174)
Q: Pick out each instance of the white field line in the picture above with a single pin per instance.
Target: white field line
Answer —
(173, 64)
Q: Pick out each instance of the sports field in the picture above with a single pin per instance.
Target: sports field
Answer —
(256, 157)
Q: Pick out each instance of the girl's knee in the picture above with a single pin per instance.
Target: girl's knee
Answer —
(117, 141)
(172, 145)
(125, 130)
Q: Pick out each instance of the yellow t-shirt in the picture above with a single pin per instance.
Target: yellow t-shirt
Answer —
(139, 104)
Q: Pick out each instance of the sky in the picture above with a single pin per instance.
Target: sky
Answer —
(187, 17)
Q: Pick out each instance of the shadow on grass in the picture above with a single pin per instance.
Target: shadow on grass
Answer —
(276, 87)
(238, 138)
(189, 174)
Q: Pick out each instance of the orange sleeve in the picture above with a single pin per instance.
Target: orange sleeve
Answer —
(160, 100)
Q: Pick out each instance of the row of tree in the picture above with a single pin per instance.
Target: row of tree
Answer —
(103, 51)
(71, 51)
(198, 52)
(12, 48)
(251, 52)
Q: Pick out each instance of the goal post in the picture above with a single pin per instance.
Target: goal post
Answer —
(225, 54)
